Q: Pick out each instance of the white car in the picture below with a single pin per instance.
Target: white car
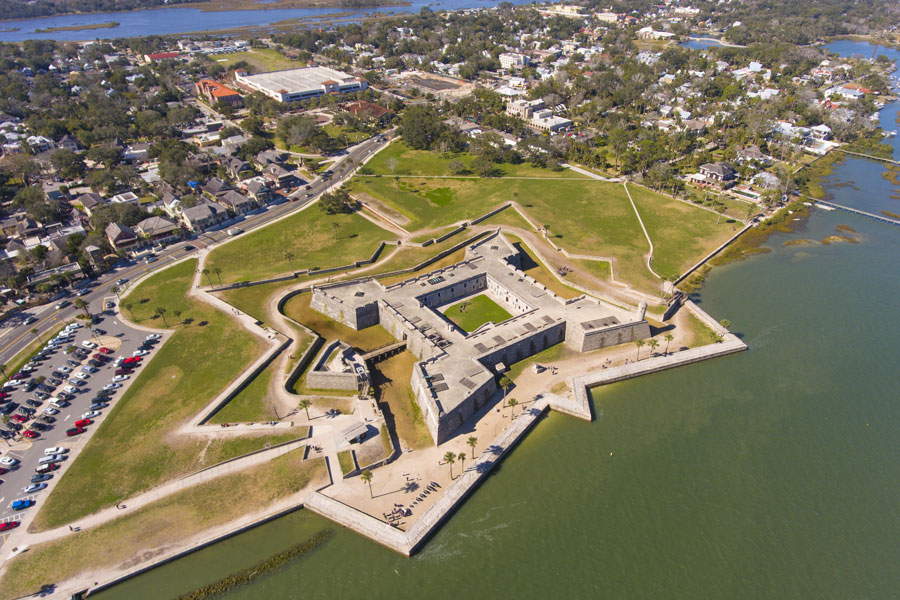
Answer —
(65, 369)
(140, 353)
(55, 450)
(51, 411)
(153, 336)
(90, 414)
(89, 369)
(82, 375)
(73, 326)
(34, 487)
(9, 461)
(112, 386)
(118, 362)
(120, 377)
(71, 389)
(88, 344)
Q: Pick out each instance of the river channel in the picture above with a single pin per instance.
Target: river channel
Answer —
(770, 474)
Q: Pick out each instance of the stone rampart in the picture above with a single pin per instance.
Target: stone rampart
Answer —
(331, 380)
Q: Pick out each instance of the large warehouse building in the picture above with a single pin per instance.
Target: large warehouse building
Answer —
(300, 84)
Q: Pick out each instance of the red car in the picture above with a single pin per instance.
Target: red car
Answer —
(131, 360)
(19, 418)
(3, 395)
(75, 431)
(31, 434)
(3, 471)
(82, 423)
(104, 350)
(9, 525)
(100, 357)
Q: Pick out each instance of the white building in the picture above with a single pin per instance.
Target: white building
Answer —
(301, 84)
(513, 61)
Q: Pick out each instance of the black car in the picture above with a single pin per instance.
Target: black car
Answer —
(41, 395)
(40, 426)
(44, 388)
(32, 383)
(95, 363)
(65, 396)
(103, 393)
(34, 403)
(98, 405)
(41, 477)
(48, 419)
(54, 381)
(14, 426)
(6, 435)
(72, 363)
(26, 411)
(8, 408)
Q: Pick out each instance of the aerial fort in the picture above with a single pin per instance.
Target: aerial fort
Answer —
(457, 369)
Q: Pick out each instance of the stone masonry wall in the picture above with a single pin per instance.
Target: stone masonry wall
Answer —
(331, 380)
(586, 341)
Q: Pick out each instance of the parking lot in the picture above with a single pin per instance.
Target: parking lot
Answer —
(61, 398)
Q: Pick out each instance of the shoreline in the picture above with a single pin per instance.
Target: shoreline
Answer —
(208, 7)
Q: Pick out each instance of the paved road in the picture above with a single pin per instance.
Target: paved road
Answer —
(18, 335)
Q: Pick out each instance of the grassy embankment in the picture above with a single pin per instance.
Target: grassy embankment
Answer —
(472, 313)
(261, 59)
(606, 223)
(316, 239)
(147, 531)
(136, 441)
(107, 25)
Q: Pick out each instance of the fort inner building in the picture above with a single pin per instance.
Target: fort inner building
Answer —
(457, 371)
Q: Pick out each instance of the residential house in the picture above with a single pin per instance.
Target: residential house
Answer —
(269, 157)
(257, 189)
(821, 132)
(126, 198)
(121, 237)
(278, 176)
(236, 202)
(236, 167)
(369, 111)
(721, 173)
(159, 230)
(215, 92)
(214, 187)
(69, 142)
(90, 201)
(203, 216)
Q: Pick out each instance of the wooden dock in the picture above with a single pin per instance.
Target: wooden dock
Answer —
(870, 157)
(858, 212)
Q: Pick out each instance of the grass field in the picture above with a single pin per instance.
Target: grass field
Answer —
(205, 353)
(472, 313)
(250, 404)
(533, 266)
(366, 339)
(316, 239)
(158, 525)
(263, 59)
(682, 234)
(345, 459)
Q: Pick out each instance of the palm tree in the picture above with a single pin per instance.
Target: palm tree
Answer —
(512, 404)
(462, 460)
(472, 442)
(290, 258)
(334, 228)
(162, 313)
(505, 383)
(218, 272)
(669, 338)
(653, 344)
(305, 404)
(450, 458)
(82, 305)
(206, 272)
(37, 335)
(366, 476)
(128, 306)
(639, 344)
(115, 290)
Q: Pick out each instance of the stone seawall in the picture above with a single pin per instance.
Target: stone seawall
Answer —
(580, 385)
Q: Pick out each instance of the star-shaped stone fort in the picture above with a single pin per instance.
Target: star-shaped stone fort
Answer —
(457, 371)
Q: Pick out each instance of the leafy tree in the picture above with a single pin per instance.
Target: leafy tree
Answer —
(421, 126)
(68, 164)
(337, 202)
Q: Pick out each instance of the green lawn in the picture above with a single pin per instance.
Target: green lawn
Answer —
(162, 523)
(316, 239)
(682, 234)
(472, 313)
(134, 449)
(263, 59)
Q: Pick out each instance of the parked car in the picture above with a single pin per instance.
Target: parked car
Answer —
(31, 434)
(75, 431)
(74, 325)
(55, 450)
(82, 423)
(34, 487)
(26, 410)
(47, 419)
(65, 369)
(83, 375)
(62, 304)
(54, 381)
(34, 403)
(51, 411)
(104, 350)
(89, 369)
(98, 405)
(41, 477)
(40, 469)
(9, 461)
(112, 386)
(9, 525)
(125, 370)
(22, 504)
(91, 414)
(89, 344)
(139, 353)
(153, 336)
(41, 395)
(39, 427)
(19, 418)
(132, 360)
(122, 377)
(102, 393)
